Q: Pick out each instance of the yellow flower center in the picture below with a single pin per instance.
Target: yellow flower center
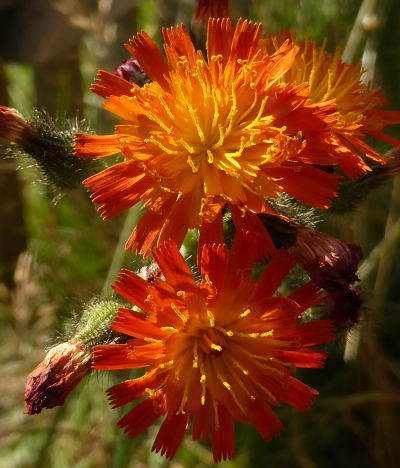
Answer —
(212, 126)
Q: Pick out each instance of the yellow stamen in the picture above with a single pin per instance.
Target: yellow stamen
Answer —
(192, 165)
(211, 318)
(184, 400)
(227, 385)
(179, 313)
(152, 139)
(166, 364)
(152, 340)
(155, 118)
(216, 347)
(195, 354)
(171, 329)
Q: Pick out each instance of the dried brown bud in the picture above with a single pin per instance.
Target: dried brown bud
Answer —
(13, 126)
(329, 262)
(56, 376)
(206, 9)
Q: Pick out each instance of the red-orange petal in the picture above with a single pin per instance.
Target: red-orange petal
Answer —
(134, 325)
(223, 436)
(178, 44)
(133, 288)
(140, 418)
(264, 420)
(146, 233)
(214, 264)
(308, 184)
(118, 356)
(170, 435)
(274, 273)
(144, 49)
(176, 271)
(132, 390)
(96, 146)
(107, 84)
(251, 222)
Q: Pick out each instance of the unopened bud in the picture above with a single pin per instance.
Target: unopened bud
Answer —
(150, 273)
(65, 365)
(50, 144)
(353, 191)
(56, 376)
(13, 126)
(131, 71)
(330, 263)
(344, 306)
(206, 9)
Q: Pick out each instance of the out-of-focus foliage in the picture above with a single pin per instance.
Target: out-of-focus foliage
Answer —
(54, 258)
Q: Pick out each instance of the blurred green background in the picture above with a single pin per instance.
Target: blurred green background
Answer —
(54, 257)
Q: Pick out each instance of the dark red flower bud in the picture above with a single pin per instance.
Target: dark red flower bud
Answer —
(344, 306)
(330, 263)
(131, 71)
(56, 376)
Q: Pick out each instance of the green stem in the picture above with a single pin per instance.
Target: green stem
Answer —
(119, 253)
(380, 250)
(367, 7)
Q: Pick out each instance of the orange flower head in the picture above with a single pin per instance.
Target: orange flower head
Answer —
(359, 106)
(215, 352)
(206, 133)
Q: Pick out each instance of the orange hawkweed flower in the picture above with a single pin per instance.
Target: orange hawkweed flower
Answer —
(219, 351)
(359, 106)
(206, 133)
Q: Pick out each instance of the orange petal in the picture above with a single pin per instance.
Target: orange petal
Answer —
(245, 41)
(274, 273)
(133, 288)
(116, 356)
(202, 423)
(140, 418)
(178, 44)
(134, 325)
(173, 266)
(250, 222)
(96, 146)
(307, 184)
(264, 420)
(107, 84)
(307, 296)
(213, 264)
(210, 232)
(132, 390)
(219, 39)
(170, 435)
(144, 49)
(118, 188)
(183, 216)
(223, 436)
(146, 233)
